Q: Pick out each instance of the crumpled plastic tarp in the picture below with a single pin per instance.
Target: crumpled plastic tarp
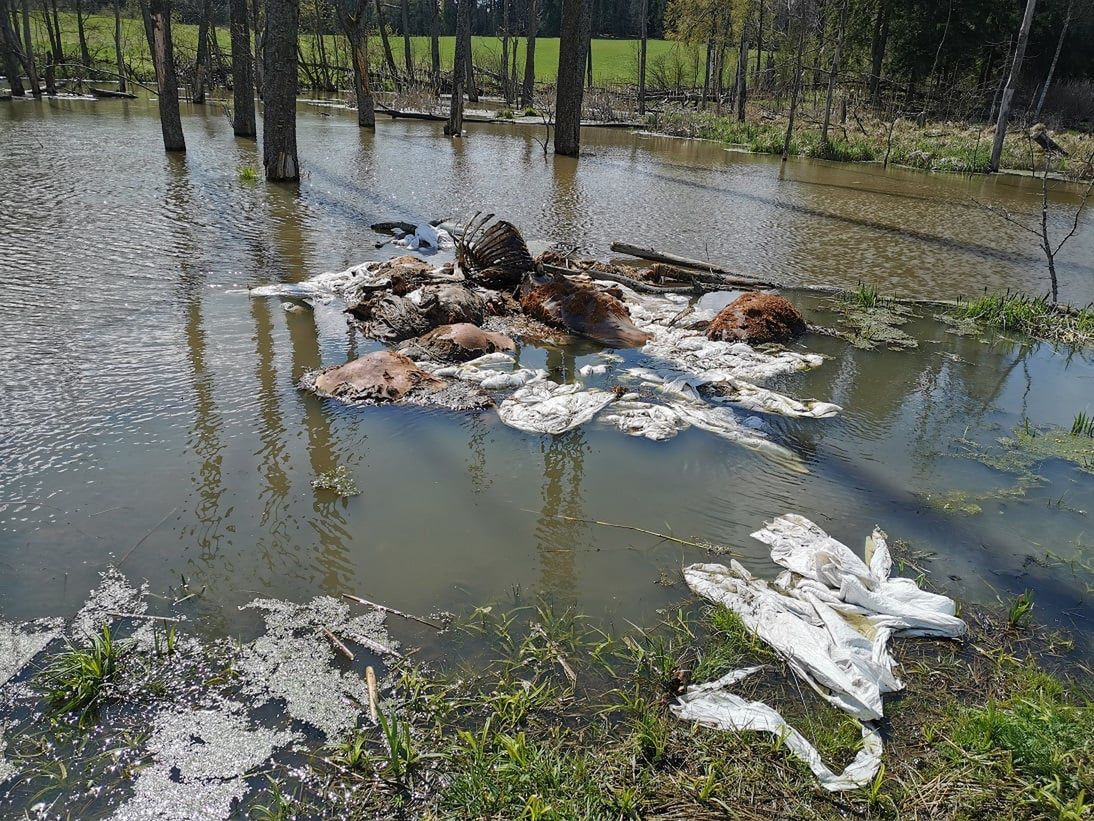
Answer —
(492, 371)
(830, 615)
(548, 407)
(426, 237)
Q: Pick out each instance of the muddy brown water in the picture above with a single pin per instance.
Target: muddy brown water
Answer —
(148, 406)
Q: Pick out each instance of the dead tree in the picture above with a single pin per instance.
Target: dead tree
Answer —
(119, 57)
(408, 58)
(243, 95)
(81, 34)
(351, 15)
(158, 23)
(1055, 60)
(28, 51)
(506, 88)
(460, 60)
(201, 64)
(528, 89)
(389, 58)
(643, 39)
(435, 40)
(797, 79)
(281, 81)
(832, 76)
(573, 46)
(1012, 82)
(13, 51)
(742, 76)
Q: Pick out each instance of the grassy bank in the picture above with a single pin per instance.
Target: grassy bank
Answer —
(614, 61)
(947, 146)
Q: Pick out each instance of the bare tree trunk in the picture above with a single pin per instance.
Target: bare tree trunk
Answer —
(389, 58)
(435, 40)
(527, 92)
(643, 39)
(159, 19)
(469, 77)
(13, 51)
(243, 96)
(408, 58)
(279, 111)
(506, 89)
(574, 37)
(1055, 60)
(832, 75)
(353, 24)
(53, 26)
(759, 39)
(454, 126)
(1012, 82)
(85, 55)
(28, 51)
(201, 66)
(260, 49)
(742, 77)
(796, 93)
(877, 50)
(118, 55)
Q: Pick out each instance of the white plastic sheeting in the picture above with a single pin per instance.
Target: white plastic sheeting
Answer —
(713, 705)
(426, 237)
(547, 407)
(492, 371)
(830, 616)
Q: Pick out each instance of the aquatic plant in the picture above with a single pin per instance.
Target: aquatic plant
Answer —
(504, 114)
(340, 480)
(1082, 424)
(248, 173)
(872, 321)
(1020, 610)
(75, 680)
(402, 754)
(1032, 316)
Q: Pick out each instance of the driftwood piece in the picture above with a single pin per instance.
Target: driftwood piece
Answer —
(633, 284)
(373, 697)
(384, 609)
(338, 645)
(653, 255)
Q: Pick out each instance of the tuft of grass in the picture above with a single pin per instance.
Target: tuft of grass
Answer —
(1020, 610)
(76, 679)
(402, 753)
(248, 173)
(1082, 425)
(1035, 317)
(504, 114)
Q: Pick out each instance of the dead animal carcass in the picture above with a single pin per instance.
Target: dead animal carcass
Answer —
(495, 256)
(380, 376)
(393, 318)
(456, 343)
(581, 309)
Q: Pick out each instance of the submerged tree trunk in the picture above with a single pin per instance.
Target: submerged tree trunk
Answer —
(159, 19)
(28, 51)
(573, 46)
(832, 76)
(1012, 82)
(528, 89)
(796, 93)
(243, 96)
(279, 112)
(1055, 60)
(351, 15)
(643, 39)
(201, 65)
(118, 55)
(454, 126)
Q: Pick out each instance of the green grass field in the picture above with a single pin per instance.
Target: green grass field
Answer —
(614, 61)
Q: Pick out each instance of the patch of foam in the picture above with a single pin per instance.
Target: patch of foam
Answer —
(21, 643)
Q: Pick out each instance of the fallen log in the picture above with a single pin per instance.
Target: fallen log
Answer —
(630, 282)
(107, 93)
(653, 255)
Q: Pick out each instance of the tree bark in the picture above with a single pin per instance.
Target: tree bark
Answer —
(1012, 82)
(460, 59)
(28, 51)
(159, 18)
(352, 20)
(281, 81)
(119, 57)
(796, 93)
(53, 24)
(201, 64)
(260, 48)
(759, 40)
(528, 89)
(574, 34)
(643, 39)
(469, 77)
(742, 77)
(506, 89)
(243, 96)
(1055, 60)
(832, 75)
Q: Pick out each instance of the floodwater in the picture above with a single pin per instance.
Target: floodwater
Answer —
(149, 410)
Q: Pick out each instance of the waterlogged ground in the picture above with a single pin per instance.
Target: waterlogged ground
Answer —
(150, 414)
